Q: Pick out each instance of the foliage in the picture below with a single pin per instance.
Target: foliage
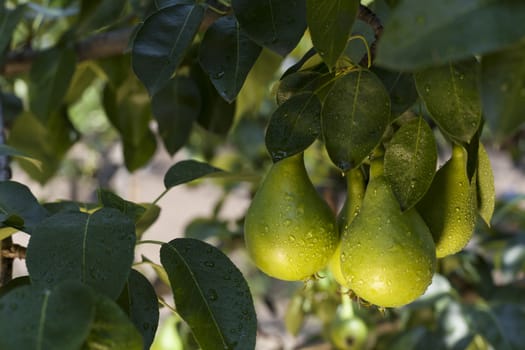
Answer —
(251, 76)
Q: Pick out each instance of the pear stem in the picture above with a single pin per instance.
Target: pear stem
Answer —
(355, 187)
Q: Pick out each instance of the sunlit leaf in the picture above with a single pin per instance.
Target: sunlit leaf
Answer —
(213, 298)
(147, 219)
(96, 249)
(485, 185)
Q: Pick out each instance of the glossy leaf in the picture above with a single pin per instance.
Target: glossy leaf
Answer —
(109, 199)
(485, 186)
(452, 98)
(99, 13)
(419, 34)
(19, 208)
(227, 54)
(96, 249)
(161, 41)
(48, 143)
(214, 298)
(32, 318)
(112, 329)
(147, 219)
(294, 83)
(186, 171)
(355, 114)
(9, 19)
(128, 109)
(503, 90)
(401, 88)
(49, 80)
(216, 115)
(293, 126)
(275, 24)
(175, 108)
(410, 162)
(139, 301)
(330, 23)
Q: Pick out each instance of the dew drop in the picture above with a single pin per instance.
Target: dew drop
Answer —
(427, 88)
(212, 294)
(218, 75)
(209, 264)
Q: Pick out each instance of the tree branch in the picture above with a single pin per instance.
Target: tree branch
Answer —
(369, 17)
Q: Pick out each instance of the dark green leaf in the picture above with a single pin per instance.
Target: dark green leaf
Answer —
(511, 318)
(306, 62)
(295, 83)
(227, 54)
(111, 329)
(161, 42)
(111, 200)
(216, 114)
(13, 152)
(14, 283)
(485, 186)
(32, 318)
(98, 14)
(82, 79)
(96, 249)
(330, 23)
(293, 126)
(186, 171)
(485, 322)
(18, 203)
(452, 98)
(410, 162)
(503, 90)
(128, 109)
(12, 106)
(8, 21)
(355, 115)
(147, 219)
(401, 88)
(48, 143)
(419, 34)
(61, 206)
(175, 108)
(140, 303)
(49, 80)
(275, 24)
(211, 295)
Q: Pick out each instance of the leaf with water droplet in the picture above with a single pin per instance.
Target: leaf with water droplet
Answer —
(293, 126)
(72, 245)
(209, 303)
(31, 317)
(410, 161)
(355, 114)
(453, 103)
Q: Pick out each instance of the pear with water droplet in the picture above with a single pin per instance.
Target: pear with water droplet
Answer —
(449, 206)
(289, 231)
(388, 256)
(355, 184)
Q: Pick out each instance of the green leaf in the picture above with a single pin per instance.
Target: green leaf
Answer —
(293, 126)
(211, 295)
(96, 249)
(485, 322)
(485, 186)
(111, 329)
(275, 24)
(355, 115)
(511, 319)
(452, 98)
(410, 162)
(330, 23)
(59, 318)
(161, 41)
(99, 14)
(48, 143)
(128, 109)
(147, 219)
(419, 34)
(216, 115)
(8, 21)
(14, 283)
(204, 228)
(401, 88)
(186, 171)
(61, 206)
(139, 301)
(109, 199)
(159, 270)
(6, 150)
(294, 83)
(12, 106)
(49, 80)
(175, 108)
(226, 54)
(503, 90)
(18, 203)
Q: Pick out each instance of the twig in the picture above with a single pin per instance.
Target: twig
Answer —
(369, 17)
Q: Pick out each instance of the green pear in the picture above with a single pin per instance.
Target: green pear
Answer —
(289, 230)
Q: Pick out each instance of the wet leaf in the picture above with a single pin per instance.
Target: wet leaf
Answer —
(96, 249)
(401, 88)
(214, 299)
(295, 83)
(186, 171)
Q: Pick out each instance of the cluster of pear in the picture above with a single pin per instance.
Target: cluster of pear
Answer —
(383, 254)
